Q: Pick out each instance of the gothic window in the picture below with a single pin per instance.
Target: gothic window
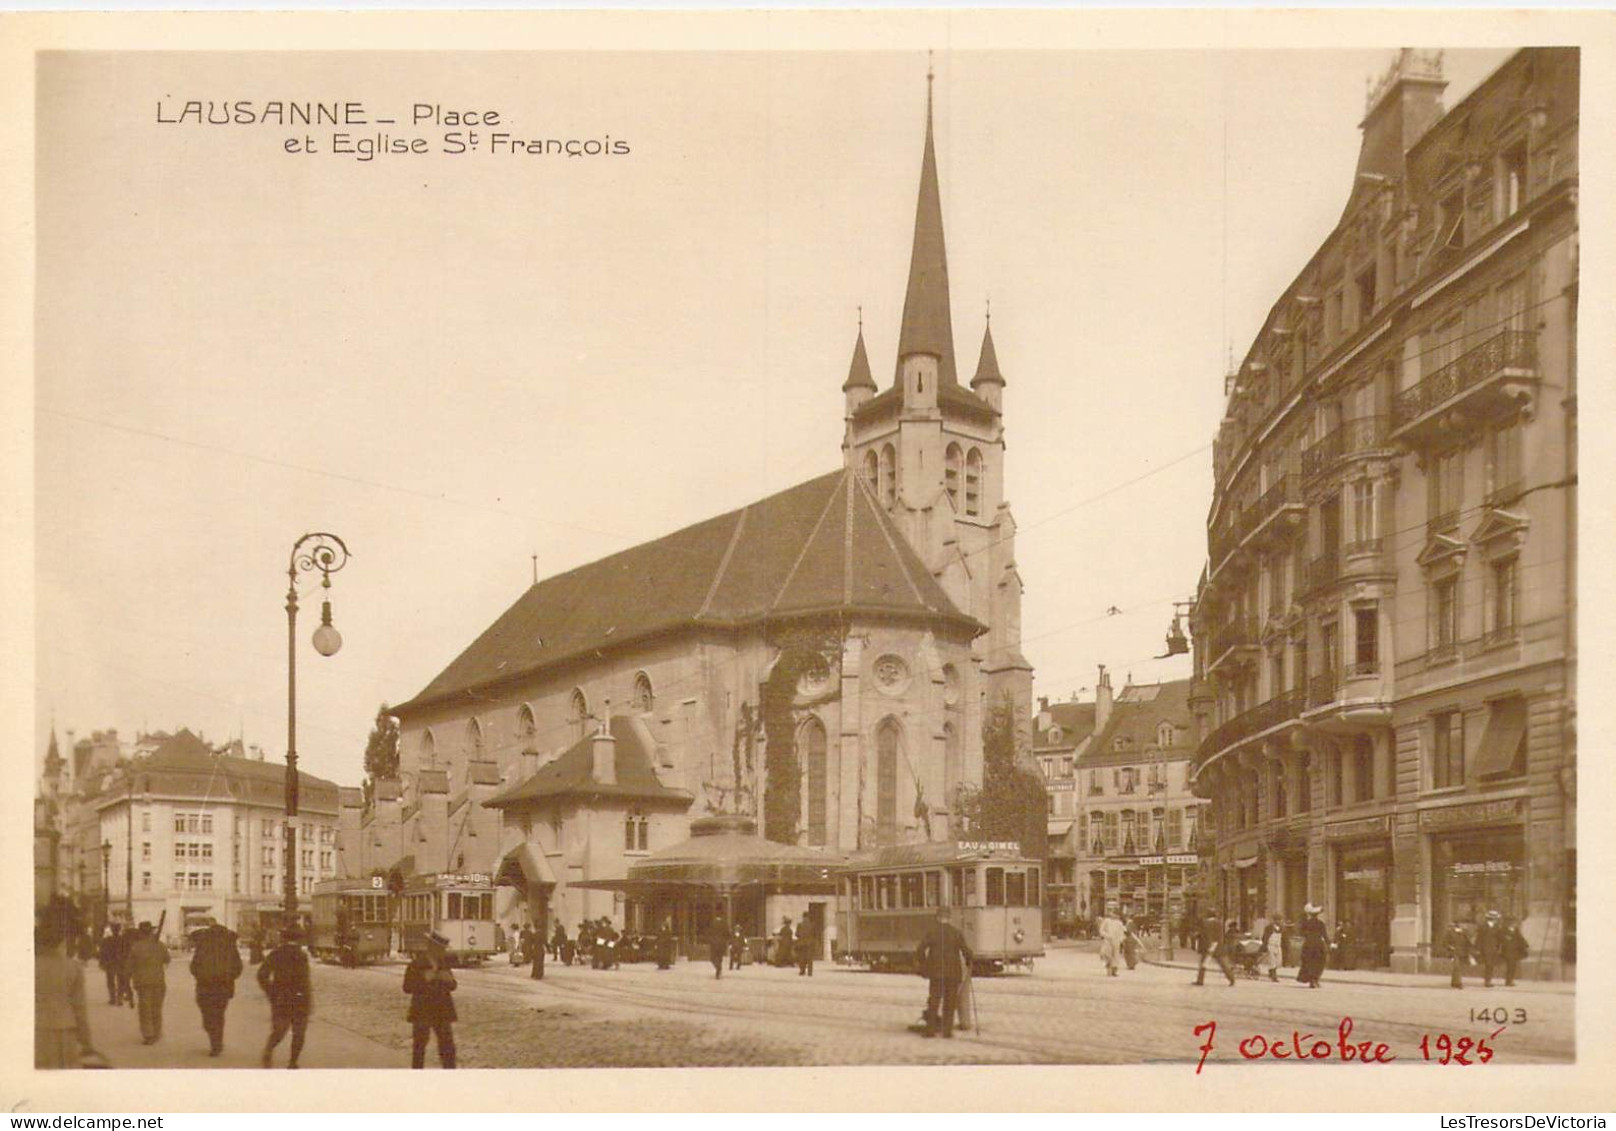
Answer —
(953, 465)
(644, 699)
(474, 741)
(889, 475)
(872, 468)
(954, 769)
(578, 712)
(812, 744)
(527, 731)
(636, 832)
(887, 738)
(429, 749)
(973, 482)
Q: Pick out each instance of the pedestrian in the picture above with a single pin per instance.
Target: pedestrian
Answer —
(717, 943)
(215, 964)
(1489, 945)
(525, 944)
(61, 1017)
(942, 957)
(1130, 943)
(147, 959)
(533, 949)
(737, 947)
(1273, 948)
(431, 985)
(805, 947)
(1209, 944)
(107, 954)
(558, 940)
(1513, 947)
(284, 976)
(1315, 947)
(783, 942)
(1456, 944)
(1345, 956)
(1112, 934)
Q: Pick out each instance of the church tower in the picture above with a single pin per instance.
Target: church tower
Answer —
(933, 451)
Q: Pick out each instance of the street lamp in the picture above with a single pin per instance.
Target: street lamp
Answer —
(326, 553)
(106, 887)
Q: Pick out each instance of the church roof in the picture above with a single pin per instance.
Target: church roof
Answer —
(571, 775)
(822, 547)
(928, 326)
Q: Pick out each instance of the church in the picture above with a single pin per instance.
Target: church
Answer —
(815, 666)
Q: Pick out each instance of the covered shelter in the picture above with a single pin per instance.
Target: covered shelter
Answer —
(726, 870)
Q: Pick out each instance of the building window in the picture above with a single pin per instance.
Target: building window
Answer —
(973, 482)
(1447, 750)
(179, 881)
(145, 881)
(1366, 293)
(1512, 180)
(872, 469)
(1504, 464)
(1096, 784)
(1503, 597)
(145, 850)
(644, 697)
(1276, 782)
(636, 832)
(1112, 833)
(145, 822)
(1450, 233)
(887, 739)
(1366, 640)
(206, 879)
(1175, 828)
(813, 746)
(1365, 531)
(267, 856)
(474, 741)
(429, 748)
(889, 475)
(207, 850)
(1363, 768)
(1444, 627)
(1304, 785)
(1334, 794)
(266, 884)
(953, 466)
(1164, 735)
(578, 712)
(1444, 488)
(268, 828)
(527, 731)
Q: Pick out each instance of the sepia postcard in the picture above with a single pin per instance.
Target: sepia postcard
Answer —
(909, 560)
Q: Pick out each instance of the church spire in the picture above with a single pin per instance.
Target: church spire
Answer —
(927, 325)
(858, 373)
(987, 367)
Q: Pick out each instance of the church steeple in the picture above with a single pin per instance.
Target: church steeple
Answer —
(988, 382)
(927, 325)
(858, 374)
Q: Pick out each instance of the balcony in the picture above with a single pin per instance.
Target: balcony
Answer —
(1281, 708)
(1351, 700)
(1279, 508)
(1363, 669)
(1496, 377)
(1227, 639)
(1322, 689)
(1323, 570)
(1351, 438)
(1505, 493)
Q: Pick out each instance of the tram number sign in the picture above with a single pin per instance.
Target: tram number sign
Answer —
(378, 882)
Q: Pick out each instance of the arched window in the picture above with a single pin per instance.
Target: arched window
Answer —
(953, 465)
(812, 744)
(889, 475)
(887, 738)
(429, 749)
(527, 731)
(644, 698)
(636, 832)
(973, 482)
(872, 468)
(953, 767)
(1164, 734)
(578, 712)
(474, 741)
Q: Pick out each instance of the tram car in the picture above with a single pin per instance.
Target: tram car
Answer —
(459, 906)
(886, 900)
(353, 921)
(262, 926)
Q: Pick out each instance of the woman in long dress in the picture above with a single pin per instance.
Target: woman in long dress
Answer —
(1315, 947)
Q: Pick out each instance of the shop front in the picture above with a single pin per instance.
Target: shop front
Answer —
(1478, 863)
(1362, 892)
(1250, 902)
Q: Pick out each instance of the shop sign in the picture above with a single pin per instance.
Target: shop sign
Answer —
(1481, 866)
(1060, 785)
(1184, 858)
(1372, 874)
(1476, 814)
(1363, 826)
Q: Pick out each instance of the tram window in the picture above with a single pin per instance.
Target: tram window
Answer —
(934, 889)
(1032, 888)
(866, 892)
(913, 890)
(970, 888)
(889, 892)
(995, 887)
(1015, 889)
(454, 905)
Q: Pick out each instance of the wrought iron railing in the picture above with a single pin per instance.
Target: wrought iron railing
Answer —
(1238, 633)
(1349, 438)
(1363, 669)
(1323, 570)
(1362, 547)
(1322, 689)
(1511, 349)
(1286, 705)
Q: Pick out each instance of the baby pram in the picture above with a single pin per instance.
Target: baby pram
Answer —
(1245, 956)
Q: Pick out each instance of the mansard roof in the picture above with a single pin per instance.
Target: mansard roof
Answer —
(1135, 716)
(184, 766)
(824, 547)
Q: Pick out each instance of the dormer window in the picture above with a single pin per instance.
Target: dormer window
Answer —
(1164, 734)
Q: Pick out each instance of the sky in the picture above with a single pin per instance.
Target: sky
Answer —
(474, 365)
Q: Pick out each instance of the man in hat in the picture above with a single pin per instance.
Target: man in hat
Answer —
(215, 964)
(112, 951)
(284, 977)
(431, 984)
(1457, 945)
(942, 957)
(146, 960)
(1489, 944)
(1209, 944)
(533, 949)
(1513, 947)
(1112, 934)
(784, 939)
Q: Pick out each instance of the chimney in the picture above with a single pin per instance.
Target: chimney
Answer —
(1102, 700)
(604, 749)
(350, 817)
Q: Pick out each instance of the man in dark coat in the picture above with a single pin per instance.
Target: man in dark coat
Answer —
(784, 941)
(1457, 945)
(737, 944)
(146, 963)
(1514, 948)
(943, 958)
(558, 939)
(111, 957)
(1209, 944)
(805, 944)
(215, 964)
(533, 948)
(431, 985)
(717, 944)
(284, 976)
(1489, 944)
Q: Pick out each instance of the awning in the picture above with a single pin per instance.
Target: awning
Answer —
(524, 865)
(1506, 725)
(1058, 829)
(1245, 862)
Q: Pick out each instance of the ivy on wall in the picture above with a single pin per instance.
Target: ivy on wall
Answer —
(1011, 803)
(802, 652)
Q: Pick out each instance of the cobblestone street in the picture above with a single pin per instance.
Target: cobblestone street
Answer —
(1066, 1011)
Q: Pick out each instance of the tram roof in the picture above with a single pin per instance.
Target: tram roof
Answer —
(933, 854)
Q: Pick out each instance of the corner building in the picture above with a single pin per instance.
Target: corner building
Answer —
(1385, 648)
(614, 705)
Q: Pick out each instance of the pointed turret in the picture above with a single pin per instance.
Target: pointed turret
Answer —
(988, 382)
(858, 373)
(928, 329)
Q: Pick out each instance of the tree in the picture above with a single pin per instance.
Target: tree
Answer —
(1011, 804)
(381, 750)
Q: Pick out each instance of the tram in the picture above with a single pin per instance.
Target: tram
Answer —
(263, 925)
(459, 906)
(352, 921)
(886, 900)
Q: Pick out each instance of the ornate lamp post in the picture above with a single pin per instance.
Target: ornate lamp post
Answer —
(326, 553)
